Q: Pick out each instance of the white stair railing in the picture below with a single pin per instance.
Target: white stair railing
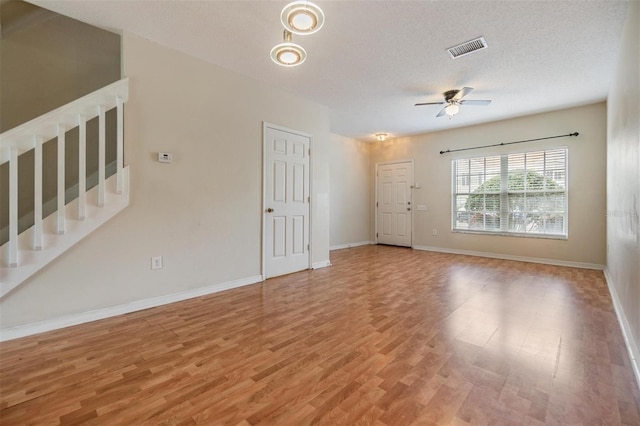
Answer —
(19, 261)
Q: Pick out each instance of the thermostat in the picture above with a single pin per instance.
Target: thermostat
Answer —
(165, 157)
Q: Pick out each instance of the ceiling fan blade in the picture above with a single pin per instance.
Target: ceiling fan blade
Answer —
(462, 93)
(475, 102)
(441, 113)
(431, 103)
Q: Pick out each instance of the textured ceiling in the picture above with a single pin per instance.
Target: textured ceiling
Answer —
(373, 60)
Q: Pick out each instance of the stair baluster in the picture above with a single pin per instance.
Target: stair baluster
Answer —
(101, 154)
(119, 143)
(82, 167)
(60, 228)
(13, 206)
(37, 193)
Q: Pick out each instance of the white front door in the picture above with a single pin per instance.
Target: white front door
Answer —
(393, 204)
(286, 214)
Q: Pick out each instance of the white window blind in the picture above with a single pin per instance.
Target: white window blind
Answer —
(521, 194)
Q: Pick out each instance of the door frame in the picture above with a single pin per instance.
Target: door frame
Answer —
(266, 125)
(413, 184)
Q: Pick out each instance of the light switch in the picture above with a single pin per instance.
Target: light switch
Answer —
(422, 207)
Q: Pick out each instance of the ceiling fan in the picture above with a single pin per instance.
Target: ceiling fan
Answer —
(453, 100)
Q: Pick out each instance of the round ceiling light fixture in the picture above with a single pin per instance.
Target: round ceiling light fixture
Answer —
(451, 109)
(288, 54)
(382, 136)
(302, 17)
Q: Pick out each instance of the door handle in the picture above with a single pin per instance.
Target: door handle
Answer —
(408, 208)
(269, 210)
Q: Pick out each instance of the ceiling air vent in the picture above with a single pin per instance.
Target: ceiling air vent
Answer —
(467, 47)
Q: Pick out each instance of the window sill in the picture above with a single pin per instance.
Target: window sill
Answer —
(512, 234)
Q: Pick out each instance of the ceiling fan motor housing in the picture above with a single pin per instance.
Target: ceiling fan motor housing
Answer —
(449, 94)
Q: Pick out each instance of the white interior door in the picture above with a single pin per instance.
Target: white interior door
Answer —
(286, 220)
(393, 204)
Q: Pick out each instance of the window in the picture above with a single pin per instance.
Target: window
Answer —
(520, 194)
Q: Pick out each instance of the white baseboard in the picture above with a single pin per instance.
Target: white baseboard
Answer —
(322, 264)
(102, 313)
(517, 258)
(632, 346)
(349, 245)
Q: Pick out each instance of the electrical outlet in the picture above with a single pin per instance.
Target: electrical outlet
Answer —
(156, 262)
(435, 232)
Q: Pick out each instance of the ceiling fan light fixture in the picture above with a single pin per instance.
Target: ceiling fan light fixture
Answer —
(288, 54)
(451, 109)
(382, 136)
(302, 17)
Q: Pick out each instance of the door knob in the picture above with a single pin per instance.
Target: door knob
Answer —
(269, 210)
(408, 208)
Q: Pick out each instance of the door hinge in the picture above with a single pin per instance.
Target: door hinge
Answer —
(376, 204)
(309, 151)
(308, 199)
(376, 235)
(307, 247)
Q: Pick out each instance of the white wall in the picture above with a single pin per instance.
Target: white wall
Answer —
(350, 201)
(203, 212)
(623, 183)
(587, 153)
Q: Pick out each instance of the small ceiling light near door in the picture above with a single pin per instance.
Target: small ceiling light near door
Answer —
(382, 136)
(288, 54)
(451, 109)
(302, 17)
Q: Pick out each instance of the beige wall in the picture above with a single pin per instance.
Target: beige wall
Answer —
(203, 212)
(586, 242)
(623, 180)
(350, 197)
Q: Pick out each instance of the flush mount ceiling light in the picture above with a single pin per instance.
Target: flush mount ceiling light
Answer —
(382, 136)
(288, 54)
(302, 17)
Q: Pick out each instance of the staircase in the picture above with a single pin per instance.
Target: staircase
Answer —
(26, 253)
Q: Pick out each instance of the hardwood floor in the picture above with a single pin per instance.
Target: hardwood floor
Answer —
(387, 336)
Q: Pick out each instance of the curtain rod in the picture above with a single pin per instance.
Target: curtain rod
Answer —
(510, 143)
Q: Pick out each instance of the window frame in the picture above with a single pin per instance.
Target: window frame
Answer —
(503, 196)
